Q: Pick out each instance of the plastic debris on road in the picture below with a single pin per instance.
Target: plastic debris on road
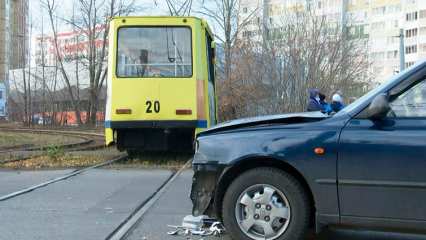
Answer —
(197, 226)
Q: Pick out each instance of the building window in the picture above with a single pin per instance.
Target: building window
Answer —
(411, 49)
(411, 32)
(379, 10)
(412, 16)
(393, 8)
(392, 54)
(422, 13)
(378, 55)
(245, 10)
(1, 95)
(395, 23)
(409, 64)
(378, 25)
(391, 40)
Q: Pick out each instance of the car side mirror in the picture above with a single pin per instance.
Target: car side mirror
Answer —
(379, 107)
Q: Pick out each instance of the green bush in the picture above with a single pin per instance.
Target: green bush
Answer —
(54, 152)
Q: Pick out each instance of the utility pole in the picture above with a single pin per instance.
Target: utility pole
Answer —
(265, 24)
(401, 50)
(43, 65)
(343, 17)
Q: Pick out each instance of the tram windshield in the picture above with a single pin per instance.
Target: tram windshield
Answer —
(149, 52)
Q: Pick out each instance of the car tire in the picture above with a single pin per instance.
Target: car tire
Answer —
(281, 185)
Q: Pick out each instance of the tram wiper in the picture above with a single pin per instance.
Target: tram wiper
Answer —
(170, 58)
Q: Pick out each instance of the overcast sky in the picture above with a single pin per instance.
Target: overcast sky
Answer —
(38, 15)
(65, 8)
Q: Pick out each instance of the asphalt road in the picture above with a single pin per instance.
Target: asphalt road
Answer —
(175, 204)
(93, 204)
(171, 208)
(11, 180)
(87, 206)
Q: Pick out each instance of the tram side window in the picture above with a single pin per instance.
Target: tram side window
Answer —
(147, 52)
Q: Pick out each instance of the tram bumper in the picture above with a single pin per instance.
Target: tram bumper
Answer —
(155, 136)
(109, 136)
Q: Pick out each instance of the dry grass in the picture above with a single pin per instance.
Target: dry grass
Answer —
(55, 158)
(66, 161)
(11, 139)
(171, 161)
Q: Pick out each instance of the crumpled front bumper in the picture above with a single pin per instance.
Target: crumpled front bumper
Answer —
(203, 189)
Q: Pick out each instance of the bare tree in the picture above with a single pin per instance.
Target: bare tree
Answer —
(178, 7)
(50, 5)
(92, 23)
(246, 82)
(314, 52)
(227, 15)
(303, 50)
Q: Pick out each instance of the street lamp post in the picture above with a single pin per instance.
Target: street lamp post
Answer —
(401, 50)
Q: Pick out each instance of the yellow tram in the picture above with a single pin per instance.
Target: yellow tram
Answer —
(161, 83)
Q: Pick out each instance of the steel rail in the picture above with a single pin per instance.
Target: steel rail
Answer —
(87, 137)
(130, 222)
(61, 178)
(51, 131)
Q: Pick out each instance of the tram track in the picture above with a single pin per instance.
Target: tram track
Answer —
(126, 227)
(88, 141)
(60, 178)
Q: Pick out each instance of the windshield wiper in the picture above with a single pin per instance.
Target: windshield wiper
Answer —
(172, 59)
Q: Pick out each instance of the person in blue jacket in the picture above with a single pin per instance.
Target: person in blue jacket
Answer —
(314, 101)
(337, 102)
(326, 107)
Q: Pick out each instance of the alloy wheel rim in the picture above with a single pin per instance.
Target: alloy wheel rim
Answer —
(263, 212)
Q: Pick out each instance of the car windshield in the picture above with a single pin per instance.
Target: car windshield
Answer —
(148, 52)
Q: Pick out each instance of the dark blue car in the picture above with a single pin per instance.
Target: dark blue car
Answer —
(273, 177)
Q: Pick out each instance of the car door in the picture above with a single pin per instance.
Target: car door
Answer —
(382, 164)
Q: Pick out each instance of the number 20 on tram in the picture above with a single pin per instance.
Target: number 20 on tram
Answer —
(161, 83)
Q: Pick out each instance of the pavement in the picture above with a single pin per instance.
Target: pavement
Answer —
(175, 204)
(170, 209)
(11, 180)
(91, 205)
(87, 206)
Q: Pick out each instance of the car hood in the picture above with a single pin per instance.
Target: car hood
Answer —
(291, 118)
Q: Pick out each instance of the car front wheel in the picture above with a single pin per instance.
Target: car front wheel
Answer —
(266, 203)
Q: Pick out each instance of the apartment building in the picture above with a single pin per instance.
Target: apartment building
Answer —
(13, 29)
(19, 35)
(379, 21)
(71, 45)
